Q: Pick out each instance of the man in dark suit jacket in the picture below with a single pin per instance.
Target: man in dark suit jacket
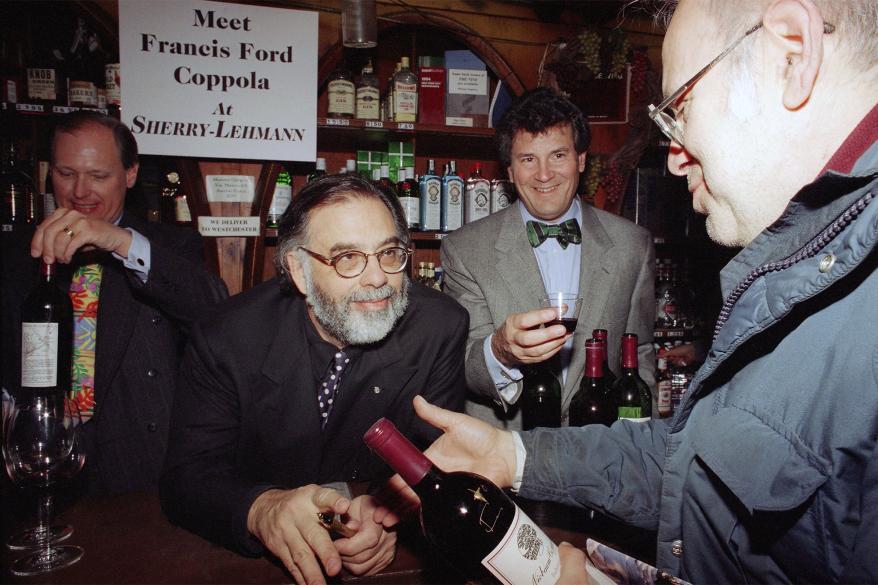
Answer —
(257, 429)
(153, 285)
(495, 270)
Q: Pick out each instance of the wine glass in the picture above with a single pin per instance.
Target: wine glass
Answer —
(31, 538)
(37, 448)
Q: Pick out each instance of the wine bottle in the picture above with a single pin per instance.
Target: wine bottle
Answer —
(16, 187)
(46, 335)
(451, 216)
(407, 189)
(635, 399)
(283, 195)
(473, 524)
(603, 336)
(319, 170)
(477, 196)
(593, 403)
(663, 387)
(384, 181)
(431, 194)
(540, 397)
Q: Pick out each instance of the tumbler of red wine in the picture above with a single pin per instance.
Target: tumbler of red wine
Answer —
(566, 305)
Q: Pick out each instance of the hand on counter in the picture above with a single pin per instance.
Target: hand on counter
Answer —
(373, 547)
(64, 232)
(287, 523)
(520, 339)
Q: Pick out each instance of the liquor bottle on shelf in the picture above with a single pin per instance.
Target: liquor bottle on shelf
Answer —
(341, 94)
(384, 181)
(632, 393)
(593, 403)
(663, 388)
(44, 81)
(603, 337)
(12, 85)
(422, 273)
(451, 216)
(174, 203)
(350, 167)
(471, 522)
(407, 190)
(405, 94)
(477, 196)
(283, 195)
(319, 170)
(81, 90)
(430, 186)
(368, 95)
(17, 188)
(501, 194)
(46, 335)
(113, 86)
(388, 95)
(540, 397)
(433, 279)
(49, 204)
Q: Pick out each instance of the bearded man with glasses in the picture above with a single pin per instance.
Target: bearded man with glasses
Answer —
(278, 388)
(768, 472)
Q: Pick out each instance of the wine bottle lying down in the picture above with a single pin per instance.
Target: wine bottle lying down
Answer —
(470, 521)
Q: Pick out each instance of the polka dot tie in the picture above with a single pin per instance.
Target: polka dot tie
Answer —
(327, 391)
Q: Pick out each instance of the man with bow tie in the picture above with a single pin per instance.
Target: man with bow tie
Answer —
(550, 241)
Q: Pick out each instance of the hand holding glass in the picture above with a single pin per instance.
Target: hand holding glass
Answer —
(566, 307)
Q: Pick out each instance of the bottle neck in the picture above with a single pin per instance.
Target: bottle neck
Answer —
(594, 360)
(398, 452)
(629, 351)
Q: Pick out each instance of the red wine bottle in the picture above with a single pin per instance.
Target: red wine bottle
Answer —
(635, 399)
(470, 521)
(603, 336)
(593, 403)
(540, 397)
(46, 336)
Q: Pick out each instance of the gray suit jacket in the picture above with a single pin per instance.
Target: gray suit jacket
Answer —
(491, 270)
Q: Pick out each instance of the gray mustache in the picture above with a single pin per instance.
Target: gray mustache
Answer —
(373, 294)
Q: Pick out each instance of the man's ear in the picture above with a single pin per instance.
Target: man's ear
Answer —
(131, 175)
(294, 267)
(797, 27)
(580, 161)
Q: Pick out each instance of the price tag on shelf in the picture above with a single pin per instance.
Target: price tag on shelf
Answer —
(439, 235)
(405, 126)
(338, 122)
(29, 107)
(374, 124)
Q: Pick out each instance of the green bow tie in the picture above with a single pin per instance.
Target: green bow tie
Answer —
(566, 233)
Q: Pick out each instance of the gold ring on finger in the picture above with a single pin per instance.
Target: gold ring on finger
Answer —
(69, 231)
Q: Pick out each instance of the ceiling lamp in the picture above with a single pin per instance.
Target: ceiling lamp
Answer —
(359, 24)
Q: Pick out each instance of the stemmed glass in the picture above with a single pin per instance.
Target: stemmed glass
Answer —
(41, 445)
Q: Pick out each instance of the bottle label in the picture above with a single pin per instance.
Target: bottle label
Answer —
(453, 207)
(477, 201)
(632, 413)
(113, 84)
(82, 93)
(411, 206)
(341, 97)
(405, 102)
(524, 555)
(368, 100)
(39, 355)
(41, 84)
(431, 204)
(283, 195)
(663, 397)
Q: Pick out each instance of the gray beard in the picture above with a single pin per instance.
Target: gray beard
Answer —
(351, 326)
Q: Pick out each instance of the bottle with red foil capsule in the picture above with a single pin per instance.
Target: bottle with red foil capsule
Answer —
(603, 337)
(473, 524)
(632, 393)
(593, 403)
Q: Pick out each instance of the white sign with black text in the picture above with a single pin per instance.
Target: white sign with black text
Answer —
(219, 80)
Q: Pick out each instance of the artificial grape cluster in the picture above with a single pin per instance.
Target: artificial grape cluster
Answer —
(590, 50)
(613, 181)
(618, 46)
(639, 64)
(593, 176)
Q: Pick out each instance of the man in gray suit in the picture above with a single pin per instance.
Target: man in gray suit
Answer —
(499, 267)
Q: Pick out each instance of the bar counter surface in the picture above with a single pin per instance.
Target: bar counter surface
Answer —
(127, 539)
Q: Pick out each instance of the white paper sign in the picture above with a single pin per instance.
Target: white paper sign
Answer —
(230, 188)
(468, 81)
(215, 226)
(215, 79)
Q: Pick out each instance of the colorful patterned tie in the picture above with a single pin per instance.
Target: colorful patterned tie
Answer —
(327, 391)
(84, 291)
(566, 232)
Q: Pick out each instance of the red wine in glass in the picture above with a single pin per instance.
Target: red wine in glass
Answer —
(569, 323)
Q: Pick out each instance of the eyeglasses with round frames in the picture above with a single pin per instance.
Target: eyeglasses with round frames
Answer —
(352, 263)
(666, 121)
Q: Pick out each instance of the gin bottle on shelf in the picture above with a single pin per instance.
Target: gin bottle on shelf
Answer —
(477, 196)
(368, 95)
(502, 193)
(430, 186)
(405, 93)
(407, 189)
(341, 94)
(452, 199)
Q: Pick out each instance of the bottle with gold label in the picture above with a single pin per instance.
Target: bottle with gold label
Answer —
(367, 94)
(405, 93)
(341, 94)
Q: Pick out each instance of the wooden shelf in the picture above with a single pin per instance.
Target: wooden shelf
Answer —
(402, 127)
(25, 108)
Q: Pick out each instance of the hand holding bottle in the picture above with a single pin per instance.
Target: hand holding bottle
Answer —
(66, 231)
(372, 548)
(287, 523)
(521, 340)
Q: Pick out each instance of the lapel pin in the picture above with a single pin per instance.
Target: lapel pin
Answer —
(376, 390)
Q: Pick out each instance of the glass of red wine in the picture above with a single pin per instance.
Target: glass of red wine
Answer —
(566, 305)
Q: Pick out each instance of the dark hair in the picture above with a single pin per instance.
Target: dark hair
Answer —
(535, 112)
(293, 228)
(126, 145)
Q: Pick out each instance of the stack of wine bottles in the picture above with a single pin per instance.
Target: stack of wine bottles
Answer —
(602, 398)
